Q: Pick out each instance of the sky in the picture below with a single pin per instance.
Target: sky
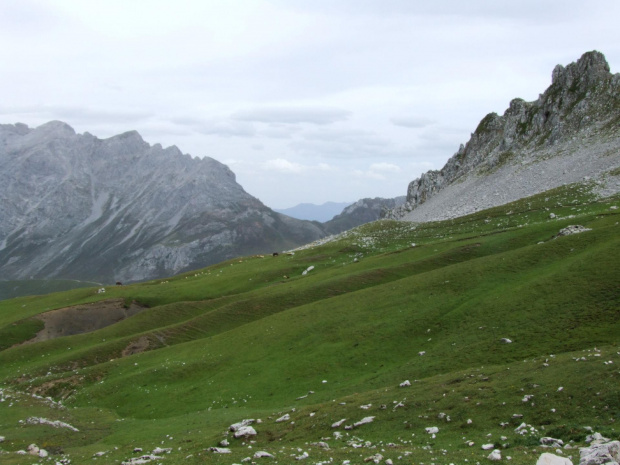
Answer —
(305, 100)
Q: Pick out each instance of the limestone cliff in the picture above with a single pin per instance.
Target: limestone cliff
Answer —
(578, 115)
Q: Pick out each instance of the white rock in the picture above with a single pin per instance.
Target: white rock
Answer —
(2, 438)
(33, 449)
(339, 423)
(469, 421)
(235, 426)
(487, 446)
(245, 431)
(224, 443)
(548, 441)
(364, 421)
(405, 383)
(220, 450)
(161, 450)
(303, 456)
(598, 454)
(43, 453)
(285, 417)
(374, 458)
(262, 454)
(432, 430)
(495, 455)
(505, 340)
(552, 459)
(423, 352)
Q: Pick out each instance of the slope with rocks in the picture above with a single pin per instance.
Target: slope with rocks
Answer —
(78, 207)
(571, 132)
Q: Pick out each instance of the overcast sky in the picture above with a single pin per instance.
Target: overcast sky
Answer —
(305, 100)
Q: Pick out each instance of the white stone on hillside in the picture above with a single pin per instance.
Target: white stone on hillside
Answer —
(245, 432)
(599, 454)
(263, 454)
(405, 383)
(552, 459)
(495, 455)
(432, 430)
(339, 423)
(285, 417)
(55, 424)
(364, 421)
(235, 426)
(220, 450)
(487, 446)
(374, 458)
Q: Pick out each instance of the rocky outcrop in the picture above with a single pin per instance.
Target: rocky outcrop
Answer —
(579, 114)
(118, 209)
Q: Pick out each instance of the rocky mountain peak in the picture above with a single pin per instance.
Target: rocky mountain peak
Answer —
(582, 102)
(591, 68)
(77, 206)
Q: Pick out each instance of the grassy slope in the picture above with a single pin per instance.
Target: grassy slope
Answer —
(238, 340)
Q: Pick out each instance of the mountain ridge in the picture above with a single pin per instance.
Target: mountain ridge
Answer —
(78, 207)
(575, 121)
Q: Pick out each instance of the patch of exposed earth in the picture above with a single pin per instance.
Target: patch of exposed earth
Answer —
(84, 318)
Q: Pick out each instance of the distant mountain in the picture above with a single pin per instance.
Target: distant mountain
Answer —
(361, 212)
(312, 212)
(571, 132)
(73, 206)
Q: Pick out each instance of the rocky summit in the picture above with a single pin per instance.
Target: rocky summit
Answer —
(570, 133)
(118, 209)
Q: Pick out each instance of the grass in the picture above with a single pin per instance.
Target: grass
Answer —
(254, 338)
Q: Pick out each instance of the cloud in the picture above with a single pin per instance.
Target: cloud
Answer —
(386, 167)
(378, 171)
(282, 165)
(411, 122)
(293, 115)
(222, 127)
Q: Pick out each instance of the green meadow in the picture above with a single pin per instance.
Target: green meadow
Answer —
(255, 338)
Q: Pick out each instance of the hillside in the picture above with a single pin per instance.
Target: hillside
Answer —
(312, 212)
(361, 212)
(493, 329)
(570, 133)
(77, 207)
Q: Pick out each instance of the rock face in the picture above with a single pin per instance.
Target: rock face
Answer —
(571, 131)
(118, 209)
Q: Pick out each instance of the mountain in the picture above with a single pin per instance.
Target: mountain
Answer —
(570, 133)
(361, 212)
(77, 207)
(312, 212)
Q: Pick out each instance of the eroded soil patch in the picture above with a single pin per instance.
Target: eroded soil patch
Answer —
(85, 318)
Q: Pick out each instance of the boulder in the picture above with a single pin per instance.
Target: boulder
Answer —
(598, 454)
(495, 455)
(552, 459)
(245, 432)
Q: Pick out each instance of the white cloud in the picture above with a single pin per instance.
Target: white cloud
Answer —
(386, 167)
(411, 121)
(284, 166)
(293, 115)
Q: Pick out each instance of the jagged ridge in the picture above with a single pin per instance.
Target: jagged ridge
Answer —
(75, 206)
(582, 101)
